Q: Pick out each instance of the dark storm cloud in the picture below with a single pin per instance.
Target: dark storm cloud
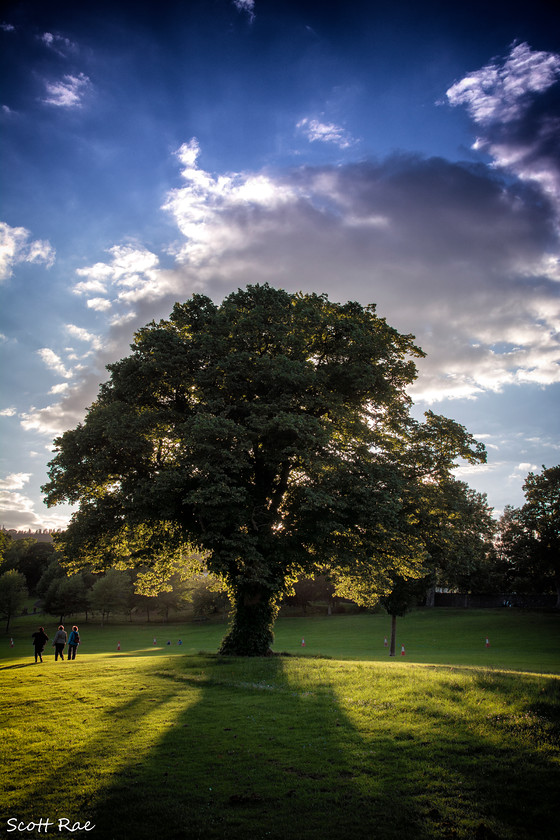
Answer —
(451, 253)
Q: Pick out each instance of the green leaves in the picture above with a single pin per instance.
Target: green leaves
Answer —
(530, 535)
(436, 445)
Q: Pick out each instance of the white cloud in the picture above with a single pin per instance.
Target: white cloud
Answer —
(133, 270)
(58, 43)
(17, 512)
(8, 412)
(16, 508)
(54, 362)
(316, 131)
(68, 92)
(14, 481)
(521, 471)
(52, 420)
(41, 251)
(188, 153)
(203, 207)
(247, 6)
(15, 248)
(98, 276)
(502, 92)
(59, 389)
(509, 101)
(119, 321)
(84, 335)
(99, 304)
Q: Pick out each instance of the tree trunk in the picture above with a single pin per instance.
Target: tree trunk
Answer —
(250, 633)
(393, 635)
(431, 596)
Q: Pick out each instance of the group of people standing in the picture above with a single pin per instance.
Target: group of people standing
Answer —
(61, 637)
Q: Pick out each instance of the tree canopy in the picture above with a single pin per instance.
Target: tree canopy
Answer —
(530, 535)
(271, 432)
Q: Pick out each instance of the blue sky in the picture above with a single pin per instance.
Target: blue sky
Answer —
(402, 154)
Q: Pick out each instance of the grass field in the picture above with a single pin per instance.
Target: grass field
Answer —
(454, 740)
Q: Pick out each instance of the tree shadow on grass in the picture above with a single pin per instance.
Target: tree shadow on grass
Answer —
(258, 756)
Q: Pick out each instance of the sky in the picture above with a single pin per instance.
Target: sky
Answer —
(404, 154)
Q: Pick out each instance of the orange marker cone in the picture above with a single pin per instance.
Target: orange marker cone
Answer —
(303, 642)
(402, 650)
(487, 643)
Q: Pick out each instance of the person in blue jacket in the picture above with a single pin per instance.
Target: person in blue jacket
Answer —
(73, 642)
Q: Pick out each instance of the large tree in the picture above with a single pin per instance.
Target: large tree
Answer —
(264, 431)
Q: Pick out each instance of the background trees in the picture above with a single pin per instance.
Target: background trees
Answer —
(29, 557)
(13, 592)
(458, 531)
(529, 543)
(110, 592)
(208, 596)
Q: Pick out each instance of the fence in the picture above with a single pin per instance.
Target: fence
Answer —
(456, 599)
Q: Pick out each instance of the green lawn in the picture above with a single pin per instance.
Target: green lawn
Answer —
(454, 740)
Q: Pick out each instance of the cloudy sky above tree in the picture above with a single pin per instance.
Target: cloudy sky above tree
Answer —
(399, 156)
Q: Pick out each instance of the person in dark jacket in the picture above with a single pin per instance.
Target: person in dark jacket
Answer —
(73, 642)
(40, 639)
(59, 642)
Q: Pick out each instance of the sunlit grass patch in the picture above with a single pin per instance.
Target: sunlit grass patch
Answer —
(78, 729)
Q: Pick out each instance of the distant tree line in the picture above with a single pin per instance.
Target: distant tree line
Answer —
(470, 552)
(31, 569)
